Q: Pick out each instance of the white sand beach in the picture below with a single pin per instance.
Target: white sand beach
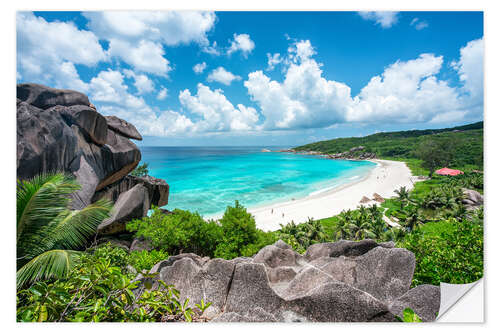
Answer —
(386, 177)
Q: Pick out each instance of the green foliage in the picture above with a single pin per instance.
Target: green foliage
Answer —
(239, 232)
(141, 170)
(301, 236)
(47, 230)
(97, 290)
(409, 316)
(448, 251)
(179, 232)
(234, 235)
(435, 153)
(145, 260)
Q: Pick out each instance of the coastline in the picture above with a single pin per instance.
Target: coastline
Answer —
(386, 177)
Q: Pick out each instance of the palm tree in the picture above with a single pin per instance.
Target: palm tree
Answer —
(412, 218)
(47, 231)
(403, 195)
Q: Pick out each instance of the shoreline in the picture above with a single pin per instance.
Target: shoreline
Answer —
(386, 177)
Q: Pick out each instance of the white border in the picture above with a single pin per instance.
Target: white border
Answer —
(492, 159)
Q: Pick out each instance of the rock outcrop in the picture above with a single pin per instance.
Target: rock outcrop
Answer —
(60, 130)
(472, 199)
(342, 281)
(355, 153)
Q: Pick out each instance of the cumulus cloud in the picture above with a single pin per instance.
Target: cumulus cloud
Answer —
(142, 83)
(146, 56)
(221, 75)
(169, 27)
(217, 113)
(241, 42)
(384, 19)
(137, 37)
(199, 68)
(419, 24)
(109, 92)
(407, 91)
(470, 70)
(162, 94)
(48, 51)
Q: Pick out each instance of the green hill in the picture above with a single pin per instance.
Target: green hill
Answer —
(467, 143)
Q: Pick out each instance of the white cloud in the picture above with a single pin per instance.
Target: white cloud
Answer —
(169, 27)
(48, 51)
(199, 68)
(470, 70)
(419, 24)
(384, 19)
(407, 91)
(217, 113)
(241, 42)
(137, 37)
(162, 94)
(273, 60)
(221, 75)
(142, 83)
(144, 56)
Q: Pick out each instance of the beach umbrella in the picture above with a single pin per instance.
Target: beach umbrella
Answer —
(448, 172)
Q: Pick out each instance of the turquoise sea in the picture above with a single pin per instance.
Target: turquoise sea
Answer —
(208, 179)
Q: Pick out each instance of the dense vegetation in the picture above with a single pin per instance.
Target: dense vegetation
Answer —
(234, 235)
(466, 143)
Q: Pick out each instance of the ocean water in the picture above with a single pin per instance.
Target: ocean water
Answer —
(208, 179)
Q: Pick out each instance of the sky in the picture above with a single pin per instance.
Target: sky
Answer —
(188, 78)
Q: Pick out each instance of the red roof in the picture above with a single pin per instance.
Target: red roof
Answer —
(448, 172)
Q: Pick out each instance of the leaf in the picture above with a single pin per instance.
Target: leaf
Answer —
(43, 314)
(54, 263)
(409, 316)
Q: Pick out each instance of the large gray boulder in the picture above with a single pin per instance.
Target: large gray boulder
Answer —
(92, 123)
(123, 127)
(278, 284)
(61, 131)
(44, 97)
(424, 300)
(44, 141)
(130, 205)
(158, 189)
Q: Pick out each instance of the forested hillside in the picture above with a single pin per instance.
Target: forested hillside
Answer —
(466, 142)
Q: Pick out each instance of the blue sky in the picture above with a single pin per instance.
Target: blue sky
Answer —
(263, 78)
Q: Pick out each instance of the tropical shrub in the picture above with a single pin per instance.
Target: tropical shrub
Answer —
(179, 232)
(48, 233)
(448, 251)
(97, 290)
(239, 232)
(234, 235)
(144, 260)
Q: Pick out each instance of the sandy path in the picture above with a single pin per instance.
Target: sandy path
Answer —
(383, 179)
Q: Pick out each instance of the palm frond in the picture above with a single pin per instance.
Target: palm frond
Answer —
(41, 199)
(54, 263)
(72, 228)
